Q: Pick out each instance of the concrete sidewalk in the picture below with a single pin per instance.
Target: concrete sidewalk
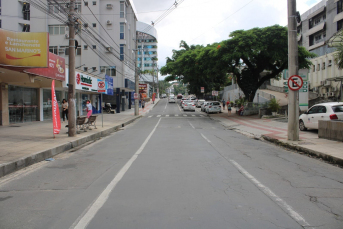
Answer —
(27, 143)
(275, 130)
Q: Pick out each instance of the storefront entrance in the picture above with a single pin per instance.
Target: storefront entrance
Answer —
(22, 104)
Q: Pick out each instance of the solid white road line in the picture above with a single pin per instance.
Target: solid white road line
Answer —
(90, 212)
(167, 115)
(150, 116)
(158, 116)
(191, 125)
(205, 138)
(166, 106)
(296, 216)
(176, 115)
(193, 115)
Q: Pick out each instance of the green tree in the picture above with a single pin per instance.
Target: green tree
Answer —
(163, 85)
(257, 55)
(338, 43)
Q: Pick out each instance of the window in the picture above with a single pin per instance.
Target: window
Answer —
(318, 67)
(122, 31)
(62, 7)
(53, 49)
(26, 28)
(313, 68)
(94, 24)
(318, 37)
(122, 9)
(339, 25)
(339, 6)
(86, 3)
(66, 50)
(26, 11)
(313, 110)
(108, 70)
(57, 29)
(122, 52)
(85, 47)
(85, 69)
(94, 46)
(94, 3)
(323, 66)
(321, 109)
(94, 68)
(0, 12)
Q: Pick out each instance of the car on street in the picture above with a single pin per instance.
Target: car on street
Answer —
(171, 99)
(203, 106)
(200, 102)
(188, 106)
(185, 101)
(213, 107)
(321, 111)
(179, 96)
(164, 96)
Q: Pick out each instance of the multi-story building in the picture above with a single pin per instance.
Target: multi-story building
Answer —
(106, 32)
(147, 52)
(317, 31)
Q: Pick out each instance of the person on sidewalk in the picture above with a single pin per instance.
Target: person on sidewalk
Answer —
(89, 109)
(229, 109)
(223, 104)
(65, 109)
(143, 104)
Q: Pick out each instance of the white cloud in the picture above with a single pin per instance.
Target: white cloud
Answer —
(209, 21)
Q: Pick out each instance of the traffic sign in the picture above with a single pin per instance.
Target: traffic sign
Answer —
(202, 89)
(215, 93)
(295, 82)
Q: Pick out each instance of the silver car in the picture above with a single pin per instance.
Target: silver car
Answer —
(200, 102)
(213, 107)
(171, 99)
(203, 106)
(188, 106)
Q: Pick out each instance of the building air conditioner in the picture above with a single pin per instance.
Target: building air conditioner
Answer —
(109, 6)
(323, 95)
(66, 36)
(61, 50)
(330, 94)
(85, 25)
(327, 83)
(108, 49)
(109, 22)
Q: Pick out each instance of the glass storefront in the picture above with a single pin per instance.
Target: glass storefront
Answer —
(47, 107)
(22, 104)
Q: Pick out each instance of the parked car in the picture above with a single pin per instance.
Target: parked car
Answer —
(203, 106)
(213, 107)
(164, 96)
(171, 99)
(322, 111)
(184, 101)
(188, 106)
(200, 102)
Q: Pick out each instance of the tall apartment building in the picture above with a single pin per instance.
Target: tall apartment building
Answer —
(318, 27)
(147, 51)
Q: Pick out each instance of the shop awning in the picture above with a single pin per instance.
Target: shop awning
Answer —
(299, 37)
(315, 29)
(316, 45)
(338, 17)
(321, 9)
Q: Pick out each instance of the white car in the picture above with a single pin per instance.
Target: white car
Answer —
(188, 106)
(200, 102)
(164, 96)
(203, 106)
(171, 99)
(213, 107)
(322, 111)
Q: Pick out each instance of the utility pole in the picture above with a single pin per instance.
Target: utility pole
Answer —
(136, 79)
(153, 80)
(293, 101)
(71, 69)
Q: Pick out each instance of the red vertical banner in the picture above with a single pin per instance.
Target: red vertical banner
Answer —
(56, 119)
(153, 96)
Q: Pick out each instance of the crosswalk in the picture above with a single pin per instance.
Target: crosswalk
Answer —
(176, 115)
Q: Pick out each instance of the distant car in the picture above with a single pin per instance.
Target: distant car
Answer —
(203, 106)
(199, 103)
(185, 101)
(179, 96)
(164, 96)
(171, 99)
(213, 107)
(322, 111)
(188, 106)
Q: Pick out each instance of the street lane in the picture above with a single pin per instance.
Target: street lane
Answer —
(185, 177)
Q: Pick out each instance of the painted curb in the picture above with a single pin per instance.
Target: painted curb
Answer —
(36, 157)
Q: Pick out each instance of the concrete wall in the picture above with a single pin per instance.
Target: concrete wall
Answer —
(332, 130)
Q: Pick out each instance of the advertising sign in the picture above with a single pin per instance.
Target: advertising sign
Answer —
(109, 85)
(83, 82)
(55, 70)
(24, 49)
(56, 119)
(143, 90)
(101, 86)
(202, 89)
(135, 95)
(215, 93)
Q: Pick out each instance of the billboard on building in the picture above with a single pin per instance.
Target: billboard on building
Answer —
(143, 90)
(55, 70)
(22, 49)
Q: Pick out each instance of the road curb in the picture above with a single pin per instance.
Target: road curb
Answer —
(325, 157)
(21, 163)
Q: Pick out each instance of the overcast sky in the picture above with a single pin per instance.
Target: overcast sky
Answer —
(208, 21)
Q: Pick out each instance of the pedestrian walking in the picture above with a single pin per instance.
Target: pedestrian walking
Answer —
(229, 108)
(223, 104)
(143, 103)
(64, 109)
(89, 109)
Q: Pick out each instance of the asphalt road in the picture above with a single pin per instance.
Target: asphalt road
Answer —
(172, 171)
